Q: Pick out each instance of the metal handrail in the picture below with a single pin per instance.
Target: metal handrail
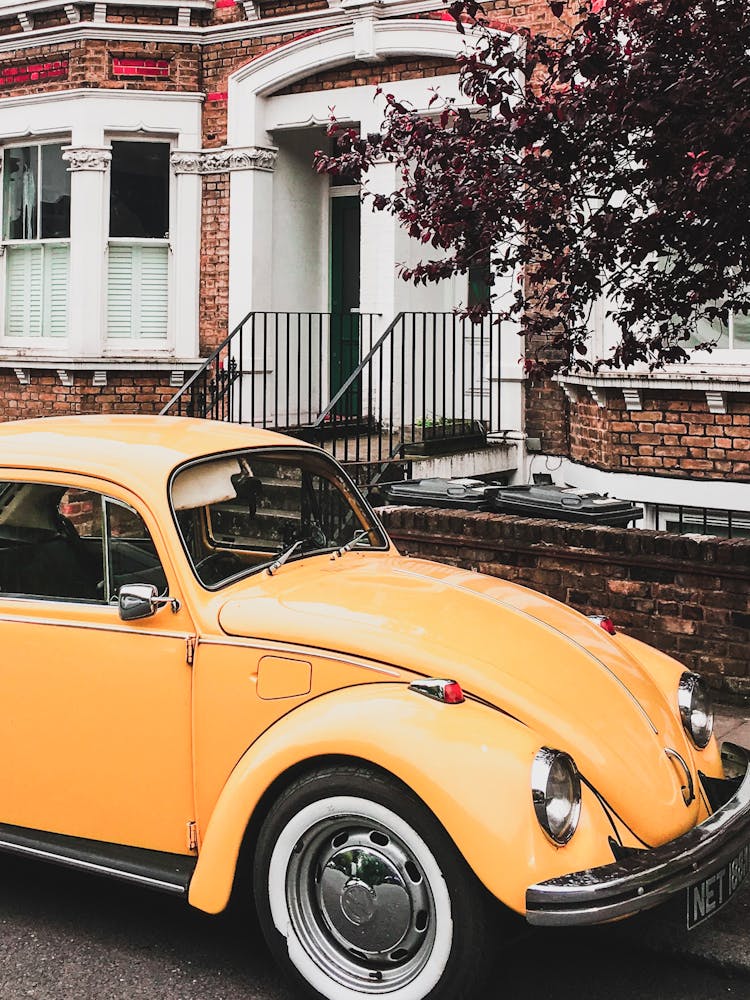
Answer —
(358, 370)
(206, 364)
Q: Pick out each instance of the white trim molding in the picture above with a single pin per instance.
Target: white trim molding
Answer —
(318, 52)
(184, 32)
(573, 392)
(633, 398)
(716, 401)
(224, 160)
(716, 383)
(599, 395)
(87, 157)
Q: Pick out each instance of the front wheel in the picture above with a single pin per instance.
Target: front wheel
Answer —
(360, 892)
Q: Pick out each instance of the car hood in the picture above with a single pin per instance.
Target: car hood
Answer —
(524, 653)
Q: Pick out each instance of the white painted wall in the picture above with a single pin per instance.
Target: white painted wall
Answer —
(664, 490)
(299, 250)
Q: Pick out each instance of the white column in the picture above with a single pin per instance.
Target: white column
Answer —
(185, 263)
(250, 242)
(88, 166)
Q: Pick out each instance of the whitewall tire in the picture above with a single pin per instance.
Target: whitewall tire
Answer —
(360, 893)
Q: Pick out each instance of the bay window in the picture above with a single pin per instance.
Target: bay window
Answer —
(36, 240)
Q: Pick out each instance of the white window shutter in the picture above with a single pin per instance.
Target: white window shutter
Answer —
(137, 292)
(154, 284)
(55, 291)
(120, 292)
(23, 292)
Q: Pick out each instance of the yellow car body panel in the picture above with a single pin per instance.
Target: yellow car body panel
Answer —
(468, 762)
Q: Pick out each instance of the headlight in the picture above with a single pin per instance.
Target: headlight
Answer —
(696, 709)
(556, 790)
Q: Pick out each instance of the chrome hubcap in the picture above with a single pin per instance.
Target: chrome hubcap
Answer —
(360, 904)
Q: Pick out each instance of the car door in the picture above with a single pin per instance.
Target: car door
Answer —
(95, 712)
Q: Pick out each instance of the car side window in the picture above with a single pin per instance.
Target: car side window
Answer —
(131, 555)
(70, 544)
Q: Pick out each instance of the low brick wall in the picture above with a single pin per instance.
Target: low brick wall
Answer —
(46, 396)
(687, 595)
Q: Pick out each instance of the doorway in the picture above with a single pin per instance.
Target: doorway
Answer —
(345, 321)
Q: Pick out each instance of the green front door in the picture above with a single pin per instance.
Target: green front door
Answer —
(345, 324)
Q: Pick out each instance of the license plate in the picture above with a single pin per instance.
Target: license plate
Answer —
(707, 897)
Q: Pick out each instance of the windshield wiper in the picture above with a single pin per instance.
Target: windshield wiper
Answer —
(280, 560)
(356, 537)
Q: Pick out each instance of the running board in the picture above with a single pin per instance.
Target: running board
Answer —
(153, 869)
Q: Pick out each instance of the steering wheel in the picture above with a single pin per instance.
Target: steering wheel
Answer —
(218, 566)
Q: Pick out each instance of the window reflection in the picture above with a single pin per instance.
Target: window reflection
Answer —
(139, 190)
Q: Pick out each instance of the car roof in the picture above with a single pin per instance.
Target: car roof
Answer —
(138, 451)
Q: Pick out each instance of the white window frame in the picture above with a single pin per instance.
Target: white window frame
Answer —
(42, 344)
(142, 345)
(719, 356)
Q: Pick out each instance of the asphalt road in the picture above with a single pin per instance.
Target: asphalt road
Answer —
(66, 936)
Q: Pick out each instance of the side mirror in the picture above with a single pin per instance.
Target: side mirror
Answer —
(141, 600)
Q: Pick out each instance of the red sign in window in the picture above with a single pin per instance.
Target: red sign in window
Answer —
(18, 76)
(151, 68)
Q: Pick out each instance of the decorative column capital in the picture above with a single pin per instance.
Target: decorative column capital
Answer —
(224, 160)
(87, 157)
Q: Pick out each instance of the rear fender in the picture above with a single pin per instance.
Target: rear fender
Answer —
(468, 763)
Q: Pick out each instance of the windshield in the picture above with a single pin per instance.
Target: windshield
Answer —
(239, 513)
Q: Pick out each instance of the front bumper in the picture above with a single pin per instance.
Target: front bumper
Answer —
(653, 876)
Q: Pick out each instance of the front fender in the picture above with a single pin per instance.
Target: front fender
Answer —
(468, 763)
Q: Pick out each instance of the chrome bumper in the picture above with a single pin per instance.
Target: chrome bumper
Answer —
(652, 876)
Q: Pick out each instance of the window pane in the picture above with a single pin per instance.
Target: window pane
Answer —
(237, 513)
(50, 542)
(20, 187)
(741, 330)
(715, 333)
(139, 193)
(55, 194)
(132, 553)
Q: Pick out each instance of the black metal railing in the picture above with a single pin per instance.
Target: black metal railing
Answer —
(276, 369)
(683, 520)
(427, 382)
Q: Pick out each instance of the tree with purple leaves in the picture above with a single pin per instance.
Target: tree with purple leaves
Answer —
(605, 161)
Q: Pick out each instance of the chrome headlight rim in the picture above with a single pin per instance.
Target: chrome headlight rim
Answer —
(541, 772)
(692, 684)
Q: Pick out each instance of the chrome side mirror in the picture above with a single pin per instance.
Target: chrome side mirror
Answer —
(141, 600)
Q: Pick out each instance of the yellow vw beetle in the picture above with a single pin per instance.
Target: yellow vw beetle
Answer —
(213, 654)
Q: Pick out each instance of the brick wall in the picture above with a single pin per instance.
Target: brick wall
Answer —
(688, 596)
(546, 415)
(91, 64)
(359, 74)
(673, 435)
(214, 279)
(136, 392)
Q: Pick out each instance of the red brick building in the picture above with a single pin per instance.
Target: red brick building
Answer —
(157, 187)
